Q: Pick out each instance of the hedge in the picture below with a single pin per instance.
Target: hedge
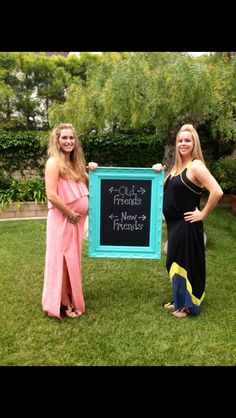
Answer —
(27, 149)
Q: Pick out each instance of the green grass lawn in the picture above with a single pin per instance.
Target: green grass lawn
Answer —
(124, 323)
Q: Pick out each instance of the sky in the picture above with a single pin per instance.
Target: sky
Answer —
(192, 53)
(198, 53)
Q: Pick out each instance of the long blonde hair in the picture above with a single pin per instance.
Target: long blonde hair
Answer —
(196, 152)
(76, 167)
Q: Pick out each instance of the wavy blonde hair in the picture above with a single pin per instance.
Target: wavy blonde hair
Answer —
(196, 152)
(76, 167)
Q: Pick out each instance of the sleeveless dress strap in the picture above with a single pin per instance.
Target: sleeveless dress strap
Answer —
(188, 165)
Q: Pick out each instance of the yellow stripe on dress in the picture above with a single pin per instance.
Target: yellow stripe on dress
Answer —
(176, 269)
(181, 178)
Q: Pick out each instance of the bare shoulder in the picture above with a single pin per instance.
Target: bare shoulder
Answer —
(198, 166)
(52, 163)
(198, 173)
(198, 163)
(52, 167)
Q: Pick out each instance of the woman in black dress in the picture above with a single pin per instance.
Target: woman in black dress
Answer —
(185, 250)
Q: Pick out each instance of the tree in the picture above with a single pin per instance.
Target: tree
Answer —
(155, 92)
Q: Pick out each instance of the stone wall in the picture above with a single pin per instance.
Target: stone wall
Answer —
(31, 210)
(25, 210)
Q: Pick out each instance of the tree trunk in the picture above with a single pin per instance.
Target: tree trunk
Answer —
(169, 152)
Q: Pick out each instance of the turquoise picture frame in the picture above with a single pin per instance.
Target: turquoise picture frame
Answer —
(125, 212)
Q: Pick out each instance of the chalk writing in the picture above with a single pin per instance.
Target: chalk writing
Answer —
(125, 212)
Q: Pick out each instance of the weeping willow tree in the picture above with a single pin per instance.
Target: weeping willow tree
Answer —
(153, 92)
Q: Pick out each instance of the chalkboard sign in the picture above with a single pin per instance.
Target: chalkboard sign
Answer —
(125, 212)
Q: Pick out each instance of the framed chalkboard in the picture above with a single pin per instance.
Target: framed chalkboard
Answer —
(125, 212)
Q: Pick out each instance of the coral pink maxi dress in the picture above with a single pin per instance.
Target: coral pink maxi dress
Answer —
(64, 241)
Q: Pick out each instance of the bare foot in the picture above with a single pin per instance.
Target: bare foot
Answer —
(180, 313)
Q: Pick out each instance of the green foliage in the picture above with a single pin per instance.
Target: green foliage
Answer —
(22, 190)
(30, 83)
(5, 198)
(143, 91)
(122, 150)
(119, 92)
(33, 190)
(5, 181)
(224, 170)
(21, 150)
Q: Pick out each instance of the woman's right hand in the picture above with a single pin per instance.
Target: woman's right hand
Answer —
(158, 167)
(92, 165)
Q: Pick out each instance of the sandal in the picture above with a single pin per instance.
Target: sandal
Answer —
(181, 313)
(169, 305)
(71, 312)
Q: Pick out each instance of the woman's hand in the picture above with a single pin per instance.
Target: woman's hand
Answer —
(92, 165)
(158, 167)
(74, 218)
(194, 216)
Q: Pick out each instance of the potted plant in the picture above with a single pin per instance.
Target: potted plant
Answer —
(224, 170)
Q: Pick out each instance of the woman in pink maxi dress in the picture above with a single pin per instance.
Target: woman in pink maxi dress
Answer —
(66, 182)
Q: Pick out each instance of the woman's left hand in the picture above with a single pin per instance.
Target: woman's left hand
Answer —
(194, 216)
(74, 218)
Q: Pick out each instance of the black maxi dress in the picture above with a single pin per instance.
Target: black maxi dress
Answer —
(185, 249)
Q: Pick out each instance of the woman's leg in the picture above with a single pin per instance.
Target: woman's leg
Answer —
(69, 310)
(65, 300)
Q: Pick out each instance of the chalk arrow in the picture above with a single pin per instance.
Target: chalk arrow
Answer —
(113, 216)
(113, 190)
(141, 190)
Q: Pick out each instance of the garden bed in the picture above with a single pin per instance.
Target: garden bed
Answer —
(24, 210)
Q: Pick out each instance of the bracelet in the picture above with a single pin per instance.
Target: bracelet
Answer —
(73, 217)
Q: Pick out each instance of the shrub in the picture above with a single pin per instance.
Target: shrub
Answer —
(224, 170)
(22, 190)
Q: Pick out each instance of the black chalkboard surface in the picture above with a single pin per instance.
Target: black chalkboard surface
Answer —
(125, 212)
